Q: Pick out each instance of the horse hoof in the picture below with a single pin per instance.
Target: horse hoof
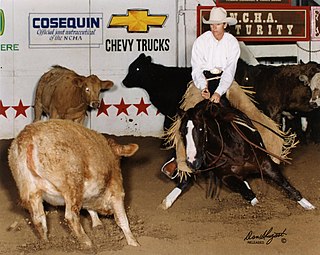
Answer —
(165, 204)
(254, 201)
(169, 200)
(306, 204)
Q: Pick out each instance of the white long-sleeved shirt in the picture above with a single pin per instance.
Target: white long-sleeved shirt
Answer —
(208, 53)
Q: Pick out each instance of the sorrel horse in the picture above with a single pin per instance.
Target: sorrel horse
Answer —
(223, 140)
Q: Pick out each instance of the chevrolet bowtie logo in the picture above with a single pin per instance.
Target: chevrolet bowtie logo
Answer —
(137, 21)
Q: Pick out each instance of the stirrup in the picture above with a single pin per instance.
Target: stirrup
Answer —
(170, 168)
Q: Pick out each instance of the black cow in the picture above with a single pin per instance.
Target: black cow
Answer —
(293, 89)
(279, 88)
(165, 85)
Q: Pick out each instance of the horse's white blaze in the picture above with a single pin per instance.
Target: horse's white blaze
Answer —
(191, 149)
(306, 204)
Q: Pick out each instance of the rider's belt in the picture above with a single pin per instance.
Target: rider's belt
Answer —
(213, 74)
(216, 71)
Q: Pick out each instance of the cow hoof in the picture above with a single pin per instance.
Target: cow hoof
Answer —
(86, 246)
(133, 243)
(98, 227)
(85, 242)
(306, 204)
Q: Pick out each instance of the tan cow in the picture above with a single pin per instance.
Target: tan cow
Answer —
(65, 163)
(63, 94)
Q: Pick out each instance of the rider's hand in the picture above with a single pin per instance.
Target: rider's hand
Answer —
(215, 98)
(205, 93)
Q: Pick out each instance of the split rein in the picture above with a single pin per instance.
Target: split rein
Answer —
(212, 164)
(257, 146)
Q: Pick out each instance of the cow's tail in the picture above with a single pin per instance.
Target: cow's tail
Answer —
(126, 150)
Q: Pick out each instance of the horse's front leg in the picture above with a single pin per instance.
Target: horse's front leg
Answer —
(214, 186)
(175, 193)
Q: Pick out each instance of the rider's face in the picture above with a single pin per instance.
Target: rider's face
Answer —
(218, 30)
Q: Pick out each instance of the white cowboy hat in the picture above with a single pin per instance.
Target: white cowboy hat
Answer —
(218, 15)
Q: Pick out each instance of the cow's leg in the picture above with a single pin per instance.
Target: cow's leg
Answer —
(122, 219)
(96, 222)
(72, 215)
(274, 112)
(37, 110)
(273, 172)
(54, 113)
(175, 193)
(80, 120)
(240, 186)
(35, 207)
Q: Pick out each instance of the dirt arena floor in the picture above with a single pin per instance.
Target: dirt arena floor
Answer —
(194, 225)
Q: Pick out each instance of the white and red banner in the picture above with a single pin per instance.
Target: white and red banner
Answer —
(99, 37)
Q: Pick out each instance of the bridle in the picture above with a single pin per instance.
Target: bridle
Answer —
(207, 154)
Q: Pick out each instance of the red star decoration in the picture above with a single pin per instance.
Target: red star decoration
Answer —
(21, 109)
(157, 112)
(122, 107)
(3, 109)
(103, 108)
(142, 107)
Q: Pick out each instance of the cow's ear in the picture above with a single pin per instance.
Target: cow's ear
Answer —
(148, 59)
(304, 79)
(78, 81)
(106, 84)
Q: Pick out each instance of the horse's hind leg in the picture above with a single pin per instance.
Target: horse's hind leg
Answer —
(240, 186)
(273, 172)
